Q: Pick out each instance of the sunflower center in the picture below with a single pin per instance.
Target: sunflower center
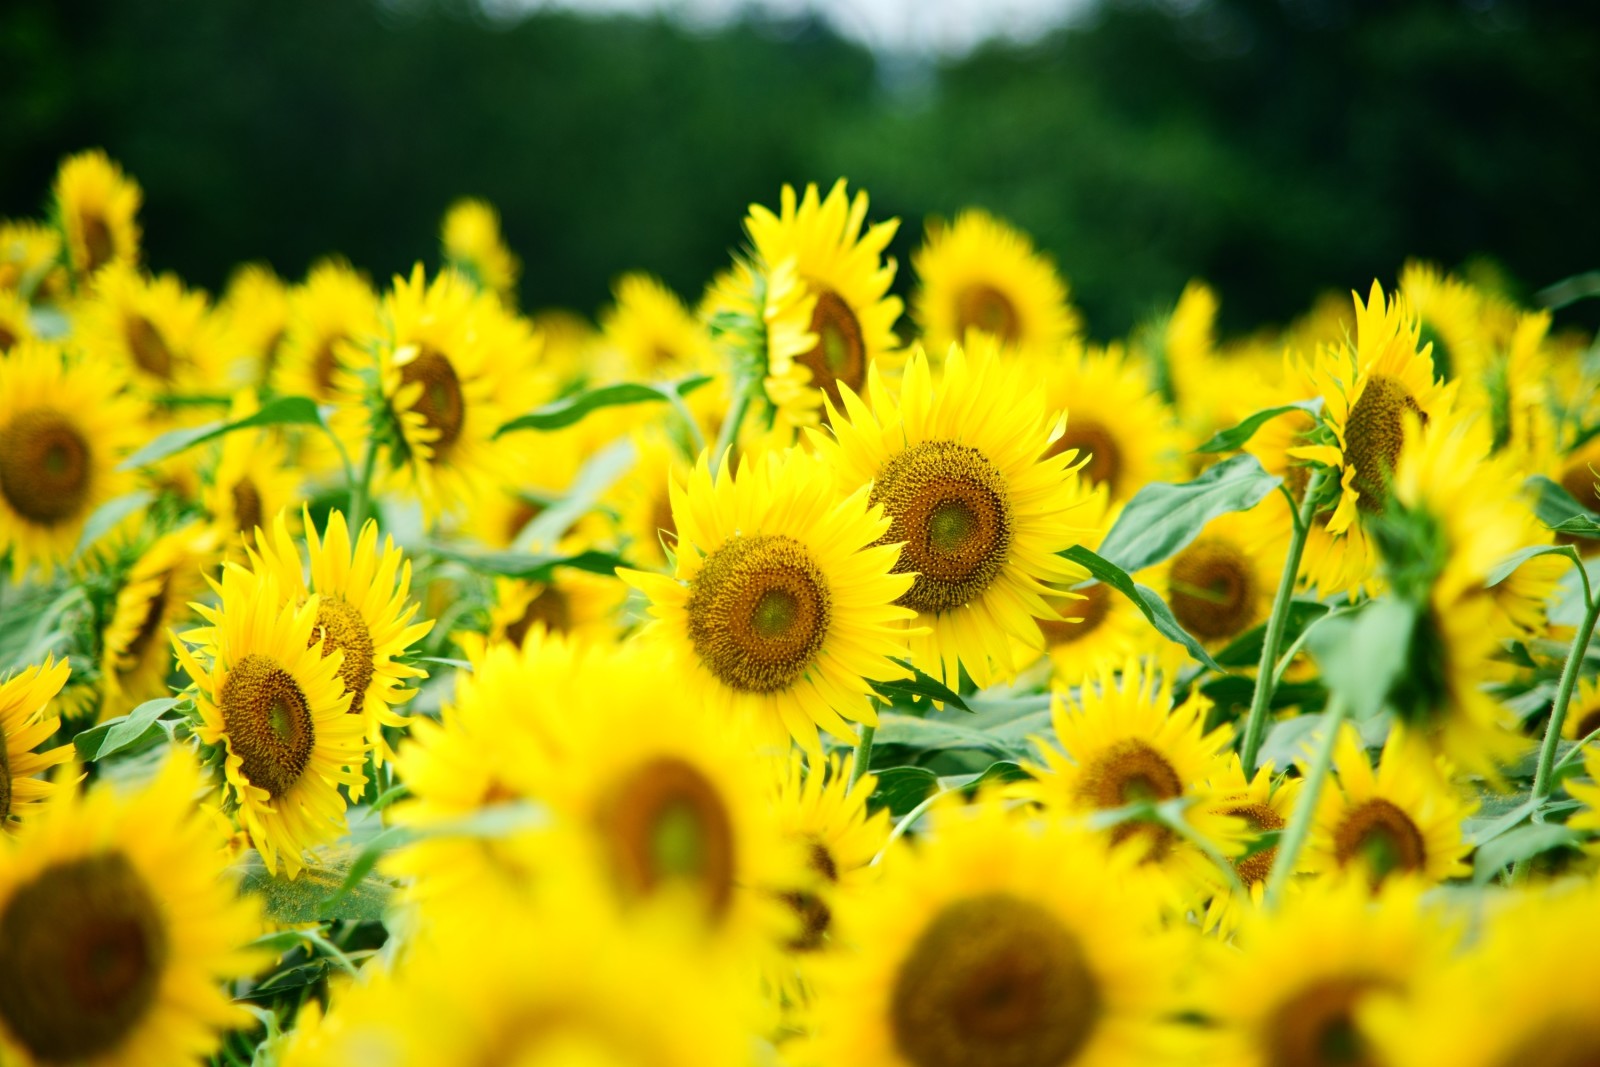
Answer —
(1090, 612)
(148, 348)
(325, 364)
(97, 241)
(1379, 834)
(759, 612)
(550, 609)
(994, 981)
(983, 307)
(268, 722)
(1317, 1027)
(1588, 722)
(1579, 481)
(1256, 867)
(525, 512)
(8, 339)
(949, 506)
(440, 403)
(246, 506)
(814, 914)
(340, 626)
(839, 355)
(1568, 1042)
(667, 822)
(1374, 435)
(1213, 589)
(5, 779)
(45, 468)
(1131, 772)
(83, 946)
(1092, 439)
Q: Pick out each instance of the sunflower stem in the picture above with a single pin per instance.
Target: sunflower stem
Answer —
(1255, 726)
(863, 753)
(1542, 785)
(744, 389)
(1299, 828)
(361, 488)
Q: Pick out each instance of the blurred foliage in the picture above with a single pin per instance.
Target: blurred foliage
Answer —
(1274, 147)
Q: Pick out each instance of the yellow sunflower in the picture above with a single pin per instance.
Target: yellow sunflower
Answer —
(781, 608)
(253, 479)
(1579, 474)
(995, 941)
(64, 425)
(548, 464)
(846, 279)
(15, 324)
(278, 709)
(97, 206)
(979, 275)
(364, 610)
(1583, 713)
(653, 333)
(1189, 360)
(582, 605)
(136, 657)
(644, 501)
(1120, 742)
(1265, 802)
(763, 314)
(335, 307)
(1450, 318)
(30, 256)
(119, 922)
(1368, 389)
(1223, 582)
(1405, 819)
(255, 312)
(25, 724)
(964, 472)
(163, 336)
(1299, 983)
(470, 234)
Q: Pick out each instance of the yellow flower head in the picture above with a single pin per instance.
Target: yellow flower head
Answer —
(25, 724)
(334, 308)
(160, 334)
(1222, 583)
(652, 331)
(253, 479)
(30, 254)
(97, 205)
(473, 245)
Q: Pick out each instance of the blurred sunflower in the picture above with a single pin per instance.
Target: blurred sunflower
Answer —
(136, 656)
(335, 307)
(653, 333)
(97, 207)
(1450, 319)
(573, 602)
(1188, 361)
(64, 425)
(162, 335)
(1583, 713)
(278, 709)
(15, 324)
(978, 275)
(644, 501)
(963, 471)
(470, 236)
(781, 607)
(1265, 802)
(119, 922)
(254, 310)
(25, 724)
(253, 479)
(1223, 582)
(30, 256)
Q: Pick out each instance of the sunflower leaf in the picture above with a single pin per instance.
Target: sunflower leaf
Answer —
(1236, 437)
(108, 515)
(908, 730)
(1163, 517)
(571, 409)
(114, 735)
(1245, 650)
(920, 684)
(1362, 656)
(1144, 598)
(284, 411)
(319, 892)
(1506, 567)
(1560, 510)
(530, 566)
(902, 788)
(1518, 844)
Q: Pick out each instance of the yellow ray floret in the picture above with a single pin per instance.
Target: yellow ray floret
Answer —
(24, 726)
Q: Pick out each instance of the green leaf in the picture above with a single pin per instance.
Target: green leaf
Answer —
(530, 566)
(1483, 830)
(1147, 600)
(571, 409)
(114, 735)
(918, 685)
(1556, 508)
(902, 788)
(1233, 691)
(1164, 517)
(1229, 440)
(313, 895)
(996, 772)
(1522, 843)
(597, 475)
(1245, 650)
(284, 411)
(108, 515)
(1362, 655)
(908, 730)
(1506, 567)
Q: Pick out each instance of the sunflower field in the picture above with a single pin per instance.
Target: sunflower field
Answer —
(792, 678)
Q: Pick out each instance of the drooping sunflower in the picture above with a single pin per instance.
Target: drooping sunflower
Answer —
(1265, 802)
(136, 657)
(1405, 819)
(24, 725)
(654, 335)
(253, 479)
(118, 923)
(979, 275)
(846, 279)
(995, 941)
(162, 335)
(64, 425)
(470, 236)
(782, 604)
(364, 610)
(278, 711)
(97, 206)
(1121, 741)
(1299, 985)
(963, 470)
(1223, 582)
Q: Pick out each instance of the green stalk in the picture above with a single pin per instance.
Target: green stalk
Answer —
(1542, 786)
(360, 490)
(863, 753)
(1295, 834)
(1255, 727)
(730, 424)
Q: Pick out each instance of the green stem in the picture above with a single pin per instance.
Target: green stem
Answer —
(905, 824)
(697, 438)
(1542, 786)
(863, 753)
(359, 490)
(1294, 835)
(744, 389)
(1255, 726)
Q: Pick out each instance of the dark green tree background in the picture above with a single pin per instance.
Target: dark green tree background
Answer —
(1274, 147)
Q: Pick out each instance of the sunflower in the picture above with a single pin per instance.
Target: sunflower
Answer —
(335, 307)
(118, 923)
(1450, 318)
(24, 725)
(1583, 713)
(653, 333)
(644, 501)
(97, 204)
(548, 465)
(470, 236)
(64, 425)
(760, 315)
(1121, 742)
(1576, 472)
(453, 366)
(1265, 802)
(1368, 390)
(781, 608)
(964, 471)
(846, 279)
(1188, 362)
(978, 275)
(364, 610)
(585, 606)
(1405, 819)
(278, 710)
(1223, 582)
(255, 312)
(1302, 980)
(162, 335)
(30, 256)
(15, 324)
(995, 941)
(136, 658)
(253, 479)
